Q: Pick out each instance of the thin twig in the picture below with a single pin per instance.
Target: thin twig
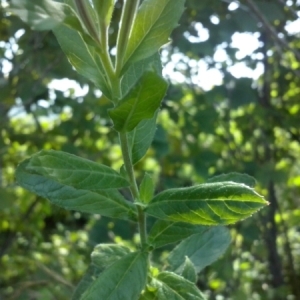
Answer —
(291, 10)
(270, 29)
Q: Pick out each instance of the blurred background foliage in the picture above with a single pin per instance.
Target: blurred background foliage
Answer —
(231, 106)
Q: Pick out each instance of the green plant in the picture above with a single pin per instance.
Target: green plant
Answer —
(132, 80)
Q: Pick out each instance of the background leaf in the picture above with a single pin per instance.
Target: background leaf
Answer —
(201, 248)
(207, 204)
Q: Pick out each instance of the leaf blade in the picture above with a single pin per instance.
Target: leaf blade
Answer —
(82, 57)
(113, 283)
(140, 103)
(201, 249)
(207, 204)
(107, 202)
(71, 170)
(164, 232)
(152, 27)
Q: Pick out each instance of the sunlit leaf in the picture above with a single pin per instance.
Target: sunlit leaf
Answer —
(152, 27)
(207, 204)
(235, 177)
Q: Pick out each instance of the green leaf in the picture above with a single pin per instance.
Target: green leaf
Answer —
(152, 27)
(109, 203)
(39, 14)
(103, 256)
(82, 57)
(207, 204)
(235, 177)
(104, 9)
(147, 188)
(71, 170)
(140, 103)
(136, 70)
(188, 270)
(201, 248)
(165, 232)
(124, 280)
(170, 286)
(140, 138)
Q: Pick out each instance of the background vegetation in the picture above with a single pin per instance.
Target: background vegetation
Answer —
(244, 124)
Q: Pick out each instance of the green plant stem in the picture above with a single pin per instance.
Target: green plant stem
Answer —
(127, 19)
(133, 187)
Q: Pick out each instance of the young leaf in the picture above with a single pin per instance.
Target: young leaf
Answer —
(164, 232)
(153, 25)
(140, 138)
(39, 14)
(82, 57)
(170, 286)
(146, 188)
(71, 170)
(201, 248)
(217, 203)
(188, 270)
(235, 177)
(140, 103)
(103, 256)
(108, 203)
(124, 280)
